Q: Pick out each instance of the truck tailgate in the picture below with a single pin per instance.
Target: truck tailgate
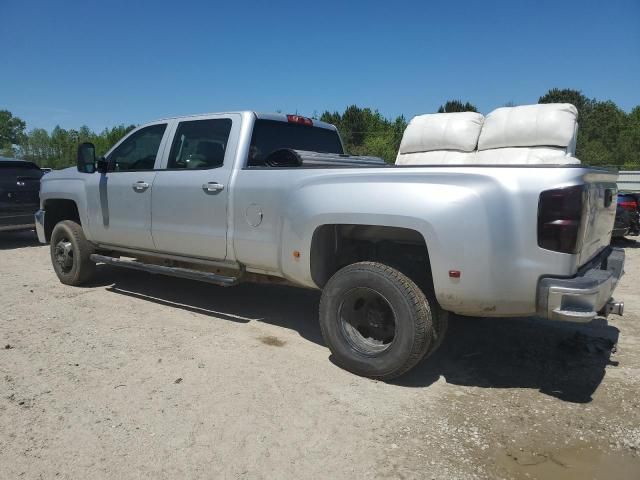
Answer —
(599, 213)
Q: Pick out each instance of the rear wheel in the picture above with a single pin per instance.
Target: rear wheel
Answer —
(440, 320)
(70, 252)
(375, 320)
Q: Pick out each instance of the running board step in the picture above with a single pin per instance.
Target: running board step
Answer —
(171, 271)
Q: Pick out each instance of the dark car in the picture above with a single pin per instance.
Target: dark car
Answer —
(627, 216)
(19, 193)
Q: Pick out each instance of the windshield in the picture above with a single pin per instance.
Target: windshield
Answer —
(271, 135)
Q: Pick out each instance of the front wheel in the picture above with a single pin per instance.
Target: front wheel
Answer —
(375, 320)
(70, 252)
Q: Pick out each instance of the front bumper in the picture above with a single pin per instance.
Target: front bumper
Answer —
(39, 218)
(581, 298)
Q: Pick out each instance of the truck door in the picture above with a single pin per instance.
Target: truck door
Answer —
(190, 194)
(119, 202)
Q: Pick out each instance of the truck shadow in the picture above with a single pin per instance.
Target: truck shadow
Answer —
(625, 243)
(18, 239)
(288, 307)
(566, 361)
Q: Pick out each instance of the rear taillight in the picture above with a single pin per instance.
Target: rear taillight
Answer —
(629, 204)
(560, 218)
(300, 120)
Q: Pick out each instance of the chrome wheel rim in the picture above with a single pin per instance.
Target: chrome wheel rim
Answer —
(63, 255)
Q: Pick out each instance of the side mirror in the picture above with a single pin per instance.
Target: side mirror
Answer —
(86, 158)
(102, 165)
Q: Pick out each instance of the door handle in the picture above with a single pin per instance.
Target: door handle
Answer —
(212, 187)
(140, 186)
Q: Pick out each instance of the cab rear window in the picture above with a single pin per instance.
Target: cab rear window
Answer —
(271, 135)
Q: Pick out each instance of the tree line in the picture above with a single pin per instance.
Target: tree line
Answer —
(607, 134)
(56, 149)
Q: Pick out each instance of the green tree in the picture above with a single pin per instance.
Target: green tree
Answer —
(606, 135)
(594, 152)
(355, 122)
(8, 151)
(37, 148)
(366, 132)
(58, 149)
(568, 95)
(629, 141)
(452, 106)
(399, 126)
(603, 122)
(11, 131)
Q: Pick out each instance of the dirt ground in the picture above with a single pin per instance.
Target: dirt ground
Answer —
(143, 376)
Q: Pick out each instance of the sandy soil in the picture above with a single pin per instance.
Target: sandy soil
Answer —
(141, 376)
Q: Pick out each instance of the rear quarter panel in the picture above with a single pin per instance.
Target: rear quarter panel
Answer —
(479, 220)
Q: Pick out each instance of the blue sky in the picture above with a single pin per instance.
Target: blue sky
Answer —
(102, 63)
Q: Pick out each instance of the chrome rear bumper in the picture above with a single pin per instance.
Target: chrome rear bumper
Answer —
(583, 297)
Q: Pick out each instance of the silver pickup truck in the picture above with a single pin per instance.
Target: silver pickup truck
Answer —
(243, 196)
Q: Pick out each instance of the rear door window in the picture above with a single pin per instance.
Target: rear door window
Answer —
(200, 144)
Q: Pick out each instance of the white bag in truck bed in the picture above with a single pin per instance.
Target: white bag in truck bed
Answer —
(495, 156)
(541, 125)
(525, 135)
(437, 157)
(442, 131)
(524, 156)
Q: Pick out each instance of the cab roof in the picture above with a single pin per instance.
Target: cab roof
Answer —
(279, 117)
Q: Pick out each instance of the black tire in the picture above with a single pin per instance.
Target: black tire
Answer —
(440, 320)
(70, 253)
(375, 320)
(439, 317)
